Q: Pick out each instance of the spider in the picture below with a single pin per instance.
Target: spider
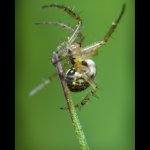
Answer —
(82, 70)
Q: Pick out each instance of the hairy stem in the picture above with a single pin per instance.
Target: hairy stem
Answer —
(72, 112)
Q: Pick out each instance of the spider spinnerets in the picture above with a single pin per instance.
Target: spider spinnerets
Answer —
(82, 69)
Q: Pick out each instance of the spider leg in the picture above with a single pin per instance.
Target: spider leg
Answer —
(66, 9)
(92, 48)
(86, 98)
(63, 25)
(90, 94)
(46, 82)
(73, 15)
(114, 25)
(75, 34)
(42, 85)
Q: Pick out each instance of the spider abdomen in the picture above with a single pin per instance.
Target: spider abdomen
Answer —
(74, 77)
(75, 82)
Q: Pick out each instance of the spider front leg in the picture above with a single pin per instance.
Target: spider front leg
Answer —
(63, 25)
(73, 15)
(66, 9)
(89, 50)
(75, 34)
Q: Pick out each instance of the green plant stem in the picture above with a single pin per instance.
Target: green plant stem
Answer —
(73, 115)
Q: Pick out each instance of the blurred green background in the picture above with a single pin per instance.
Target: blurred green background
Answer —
(108, 122)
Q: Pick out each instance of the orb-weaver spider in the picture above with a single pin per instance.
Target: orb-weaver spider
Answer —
(82, 69)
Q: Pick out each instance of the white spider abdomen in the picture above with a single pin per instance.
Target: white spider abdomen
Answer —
(91, 66)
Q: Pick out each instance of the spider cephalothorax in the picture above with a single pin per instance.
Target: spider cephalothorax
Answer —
(81, 72)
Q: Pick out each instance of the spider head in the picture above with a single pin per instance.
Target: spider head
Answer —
(73, 48)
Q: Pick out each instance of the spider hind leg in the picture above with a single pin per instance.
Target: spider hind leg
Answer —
(86, 99)
(43, 84)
